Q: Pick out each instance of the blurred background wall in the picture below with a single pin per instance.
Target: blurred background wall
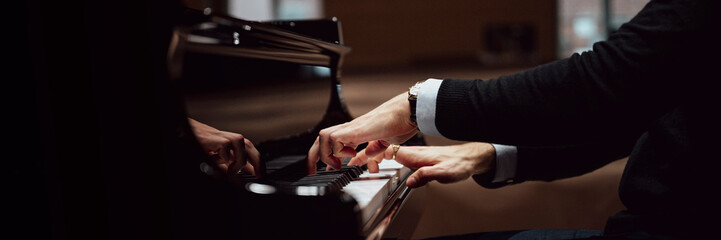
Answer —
(411, 33)
(484, 33)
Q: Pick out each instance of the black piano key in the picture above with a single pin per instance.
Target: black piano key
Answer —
(246, 176)
(342, 179)
(319, 178)
(354, 171)
(315, 178)
(342, 175)
(338, 180)
(328, 179)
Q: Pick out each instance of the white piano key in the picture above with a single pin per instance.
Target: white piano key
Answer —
(370, 190)
(369, 194)
(390, 164)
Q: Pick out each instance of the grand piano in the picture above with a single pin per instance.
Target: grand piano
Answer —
(278, 83)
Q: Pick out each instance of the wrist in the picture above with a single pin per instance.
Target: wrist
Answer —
(405, 111)
(413, 99)
(485, 158)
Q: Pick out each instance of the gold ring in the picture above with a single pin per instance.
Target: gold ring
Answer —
(395, 150)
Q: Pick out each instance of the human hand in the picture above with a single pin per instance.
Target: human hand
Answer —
(231, 152)
(386, 124)
(445, 164)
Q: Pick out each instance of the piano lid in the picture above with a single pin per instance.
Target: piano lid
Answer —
(270, 81)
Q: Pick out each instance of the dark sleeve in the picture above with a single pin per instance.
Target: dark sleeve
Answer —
(620, 86)
(552, 163)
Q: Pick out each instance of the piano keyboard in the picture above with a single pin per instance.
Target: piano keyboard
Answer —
(370, 190)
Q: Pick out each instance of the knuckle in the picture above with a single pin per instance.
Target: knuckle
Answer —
(236, 137)
(420, 173)
(224, 142)
(333, 136)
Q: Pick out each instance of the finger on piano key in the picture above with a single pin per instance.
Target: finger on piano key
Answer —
(371, 190)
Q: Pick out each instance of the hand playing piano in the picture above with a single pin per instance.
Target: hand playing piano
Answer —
(445, 164)
(387, 124)
(231, 152)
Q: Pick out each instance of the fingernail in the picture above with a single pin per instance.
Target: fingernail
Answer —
(411, 181)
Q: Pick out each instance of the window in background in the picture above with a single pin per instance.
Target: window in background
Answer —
(253, 10)
(265, 10)
(623, 10)
(299, 9)
(581, 23)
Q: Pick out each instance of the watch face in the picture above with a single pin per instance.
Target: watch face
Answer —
(413, 92)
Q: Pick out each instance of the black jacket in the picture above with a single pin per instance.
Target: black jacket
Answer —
(648, 92)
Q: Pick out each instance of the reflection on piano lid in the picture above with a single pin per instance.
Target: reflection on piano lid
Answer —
(219, 34)
(277, 83)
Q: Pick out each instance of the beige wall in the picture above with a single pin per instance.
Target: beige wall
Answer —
(582, 202)
(403, 32)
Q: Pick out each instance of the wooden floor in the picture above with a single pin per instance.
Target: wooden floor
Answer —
(580, 202)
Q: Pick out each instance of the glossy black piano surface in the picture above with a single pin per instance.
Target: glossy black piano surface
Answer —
(277, 83)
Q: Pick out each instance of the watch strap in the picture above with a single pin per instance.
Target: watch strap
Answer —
(413, 99)
(412, 102)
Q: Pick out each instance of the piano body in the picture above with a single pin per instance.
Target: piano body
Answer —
(277, 83)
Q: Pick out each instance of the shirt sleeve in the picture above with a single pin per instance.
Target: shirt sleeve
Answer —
(426, 106)
(506, 159)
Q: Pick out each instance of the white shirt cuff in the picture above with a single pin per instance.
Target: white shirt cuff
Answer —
(426, 106)
(506, 159)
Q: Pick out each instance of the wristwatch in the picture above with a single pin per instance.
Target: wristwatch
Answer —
(413, 98)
